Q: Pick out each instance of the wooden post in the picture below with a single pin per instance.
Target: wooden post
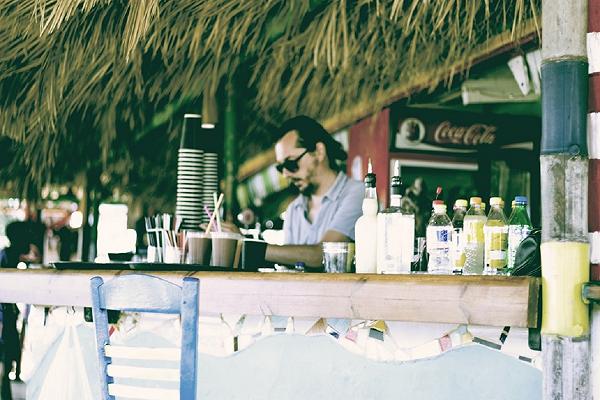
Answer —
(593, 46)
(564, 188)
(231, 154)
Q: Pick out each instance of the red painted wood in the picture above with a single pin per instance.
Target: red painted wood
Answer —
(370, 138)
(593, 15)
(594, 196)
(595, 272)
(594, 93)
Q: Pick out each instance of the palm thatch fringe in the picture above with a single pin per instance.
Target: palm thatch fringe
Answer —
(113, 63)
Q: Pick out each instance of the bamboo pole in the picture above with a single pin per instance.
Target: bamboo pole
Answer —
(593, 46)
(564, 186)
(230, 128)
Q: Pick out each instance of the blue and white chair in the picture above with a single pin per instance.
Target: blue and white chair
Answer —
(145, 293)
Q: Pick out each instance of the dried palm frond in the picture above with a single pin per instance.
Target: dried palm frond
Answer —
(113, 63)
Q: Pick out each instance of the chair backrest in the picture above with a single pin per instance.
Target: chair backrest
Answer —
(145, 293)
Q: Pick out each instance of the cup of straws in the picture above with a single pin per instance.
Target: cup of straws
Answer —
(166, 243)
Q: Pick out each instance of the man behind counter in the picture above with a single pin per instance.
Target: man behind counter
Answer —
(329, 202)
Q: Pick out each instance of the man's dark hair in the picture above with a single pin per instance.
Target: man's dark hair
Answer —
(310, 132)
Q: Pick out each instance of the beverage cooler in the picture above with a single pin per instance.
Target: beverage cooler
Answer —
(466, 154)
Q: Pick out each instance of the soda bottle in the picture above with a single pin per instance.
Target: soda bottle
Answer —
(519, 226)
(496, 239)
(439, 238)
(473, 235)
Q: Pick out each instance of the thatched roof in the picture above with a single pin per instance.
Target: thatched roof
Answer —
(81, 74)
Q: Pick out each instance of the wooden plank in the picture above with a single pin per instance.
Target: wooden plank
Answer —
(591, 292)
(158, 374)
(143, 353)
(138, 392)
(480, 300)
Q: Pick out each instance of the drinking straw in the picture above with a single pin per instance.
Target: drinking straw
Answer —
(238, 255)
(207, 211)
(212, 219)
(217, 205)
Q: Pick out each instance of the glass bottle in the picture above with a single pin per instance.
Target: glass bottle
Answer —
(395, 231)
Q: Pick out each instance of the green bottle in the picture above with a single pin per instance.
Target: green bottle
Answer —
(519, 226)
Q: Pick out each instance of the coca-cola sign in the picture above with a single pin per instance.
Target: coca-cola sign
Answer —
(435, 130)
(472, 135)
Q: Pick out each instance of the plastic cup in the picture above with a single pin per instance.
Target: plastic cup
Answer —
(224, 248)
(199, 248)
(253, 254)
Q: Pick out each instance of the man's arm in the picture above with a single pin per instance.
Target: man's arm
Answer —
(310, 255)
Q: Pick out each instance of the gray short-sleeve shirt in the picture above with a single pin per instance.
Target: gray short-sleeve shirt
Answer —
(340, 208)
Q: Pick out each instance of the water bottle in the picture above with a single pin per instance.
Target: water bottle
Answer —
(439, 238)
(473, 235)
(457, 250)
(496, 239)
(519, 226)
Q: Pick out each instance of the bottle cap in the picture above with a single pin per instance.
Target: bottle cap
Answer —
(370, 178)
(439, 208)
(522, 200)
(496, 201)
(437, 202)
(475, 200)
(460, 203)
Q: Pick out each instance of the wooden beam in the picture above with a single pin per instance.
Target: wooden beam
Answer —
(479, 300)
(591, 292)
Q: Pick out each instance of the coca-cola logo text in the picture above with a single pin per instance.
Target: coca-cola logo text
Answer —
(473, 135)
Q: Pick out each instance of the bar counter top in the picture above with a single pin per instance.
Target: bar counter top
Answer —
(478, 300)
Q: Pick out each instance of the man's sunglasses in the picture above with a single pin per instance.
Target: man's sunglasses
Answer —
(290, 165)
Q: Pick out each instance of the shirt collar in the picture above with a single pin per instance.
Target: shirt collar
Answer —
(333, 193)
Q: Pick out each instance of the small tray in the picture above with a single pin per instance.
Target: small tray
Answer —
(80, 265)
(139, 266)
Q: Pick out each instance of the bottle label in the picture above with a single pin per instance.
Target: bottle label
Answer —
(497, 254)
(496, 246)
(473, 230)
(438, 237)
(458, 248)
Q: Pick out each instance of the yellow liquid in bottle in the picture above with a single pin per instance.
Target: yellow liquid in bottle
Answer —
(496, 244)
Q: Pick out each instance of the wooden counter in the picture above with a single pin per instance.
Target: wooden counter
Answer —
(479, 300)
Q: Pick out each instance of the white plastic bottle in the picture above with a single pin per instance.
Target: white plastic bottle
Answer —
(365, 230)
(439, 238)
(474, 240)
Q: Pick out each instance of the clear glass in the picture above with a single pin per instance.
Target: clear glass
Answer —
(473, 238)
(519, 226)
(496, 242)
(439, 238)
(338, 257)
